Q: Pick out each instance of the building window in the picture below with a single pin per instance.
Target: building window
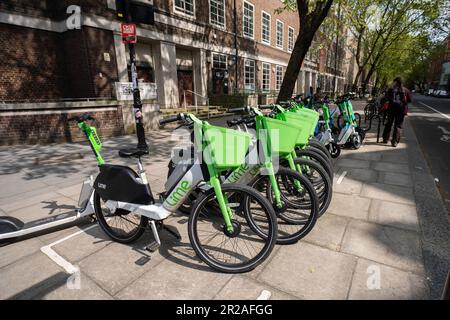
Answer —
(265, 27)
(249, 75)
(185, 6)
(290, 39)
(280, 27)
(219, 61)
(217, 12)
(265, 76)
(248, 19)
(279, 77)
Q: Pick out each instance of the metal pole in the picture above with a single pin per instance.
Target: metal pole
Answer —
(137, 104)
(336, 53)
(236, 64)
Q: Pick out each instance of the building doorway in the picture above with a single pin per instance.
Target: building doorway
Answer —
(185, 87)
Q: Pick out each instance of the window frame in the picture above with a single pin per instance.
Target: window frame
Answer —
(219, 54)
(289, 49)
(224, 15)
(264, 64)
(243, 20)
(262, 28)
(278, 67)
(282, 35)
(254, 75)
(181, 12)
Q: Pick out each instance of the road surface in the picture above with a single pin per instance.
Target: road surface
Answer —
(430, 118)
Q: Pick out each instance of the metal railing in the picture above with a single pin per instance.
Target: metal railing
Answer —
(206, 98)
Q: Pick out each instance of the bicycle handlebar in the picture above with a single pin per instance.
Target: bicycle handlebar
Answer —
(240, 109)
(82, 118)
(235, 122)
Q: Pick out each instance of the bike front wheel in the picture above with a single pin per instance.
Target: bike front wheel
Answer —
(244, 248)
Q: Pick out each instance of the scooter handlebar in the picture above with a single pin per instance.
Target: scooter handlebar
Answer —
(240, 109)
(170, 119)
(82, 118)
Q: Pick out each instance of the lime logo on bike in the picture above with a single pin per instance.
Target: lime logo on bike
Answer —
(96, 138)
(238, 173)
(178, 193)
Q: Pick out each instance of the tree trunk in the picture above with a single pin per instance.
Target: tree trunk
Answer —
(310, 21)
(298, 54)
(367, 79)
(358, 75)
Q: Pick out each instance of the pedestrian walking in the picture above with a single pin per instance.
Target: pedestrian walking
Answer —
(397, 98)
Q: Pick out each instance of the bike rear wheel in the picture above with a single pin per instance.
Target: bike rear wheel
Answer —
(122, 226)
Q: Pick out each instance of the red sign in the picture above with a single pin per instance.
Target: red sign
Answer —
(128, 31)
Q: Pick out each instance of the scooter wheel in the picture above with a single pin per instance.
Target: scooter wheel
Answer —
(362, 133)
(356, 141)
(334, 149)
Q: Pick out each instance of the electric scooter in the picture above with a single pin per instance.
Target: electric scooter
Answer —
(324, 130)
(11, 227)
(351, 134)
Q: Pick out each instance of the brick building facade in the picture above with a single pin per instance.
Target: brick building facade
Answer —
(191, 54)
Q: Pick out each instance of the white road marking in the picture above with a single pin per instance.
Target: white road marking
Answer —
(341, 177)
(66, 265)
(444, 115)
(265, 295)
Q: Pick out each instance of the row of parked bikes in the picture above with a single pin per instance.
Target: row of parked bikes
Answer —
(263, 180)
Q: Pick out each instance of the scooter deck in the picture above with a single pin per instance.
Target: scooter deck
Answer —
(11, 227)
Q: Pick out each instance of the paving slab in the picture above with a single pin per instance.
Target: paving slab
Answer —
(80, 288)
(17, 186)
(244, 288)
(26, 278)
(27, 200)
(392, 284)
(82, 245)
(17, 197)
(350, 206)
(394, 214)
(15, 251)
(363, 175)
(328, 231)
(398, 179)
(368, 156)
(395, 156)
(388, 192)
(353, 163)
(117, 265)
(310, 272)
(181, 276)
(390, 167)
(391, 246)
(72, 191)
(347, 186)
(46, 208)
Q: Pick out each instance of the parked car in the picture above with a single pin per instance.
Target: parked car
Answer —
(443, 94)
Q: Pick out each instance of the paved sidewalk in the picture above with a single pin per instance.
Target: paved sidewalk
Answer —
(369, 245)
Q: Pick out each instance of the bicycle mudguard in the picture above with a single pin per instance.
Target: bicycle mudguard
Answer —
(120, 183)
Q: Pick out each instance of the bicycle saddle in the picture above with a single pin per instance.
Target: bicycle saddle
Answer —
(134, 152)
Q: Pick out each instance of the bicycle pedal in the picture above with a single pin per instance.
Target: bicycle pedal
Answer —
(152, 247)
